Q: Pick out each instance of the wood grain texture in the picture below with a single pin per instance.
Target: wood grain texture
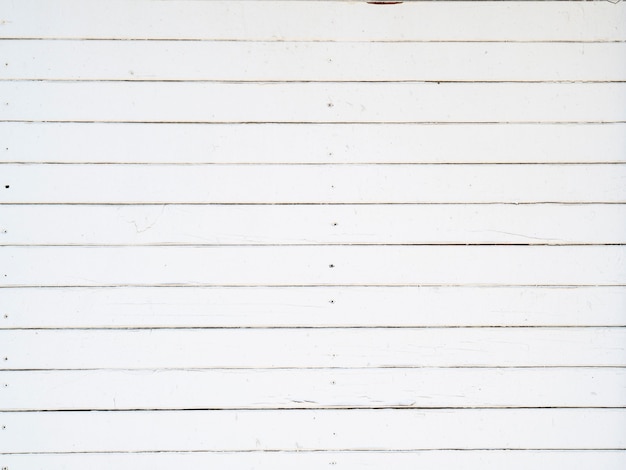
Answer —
(310, 348)
(157, 307)
(314, 21)
(465, 224)
(312, 430)
(310, 61)
(312, 143)
(320, 388)
(320, 184)
(426, 460)
(312, 102)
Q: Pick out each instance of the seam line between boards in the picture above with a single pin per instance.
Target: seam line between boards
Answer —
(308, 409)
(312, 286)
(304, 245)
(305, 368)
(318, 41)
(67, 121)
(307, 81)
(309, 327)
(325, 451)
(338, 368)
(173, 203)
(309, 164)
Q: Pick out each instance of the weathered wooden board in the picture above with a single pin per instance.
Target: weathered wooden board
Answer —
(311, 61)
(312, 143)
(313, 430)
(312, 102)
(311, 348)
(314, 21)
(465, 224)
(425, 460)
(154, 307)
(320, 388)
(319, 184)
(313, 265)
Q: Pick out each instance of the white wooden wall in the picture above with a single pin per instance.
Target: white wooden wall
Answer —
(311, 235)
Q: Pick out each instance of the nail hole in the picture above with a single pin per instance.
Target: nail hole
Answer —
(330, 105)
(334, 224)
(7, 186)
(331, 265)
(331, 301)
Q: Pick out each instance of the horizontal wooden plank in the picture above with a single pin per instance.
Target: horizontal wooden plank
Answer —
(313, 265)
(312, 102)
(334, 21)
(154, 307)
(312, 143)
(168, 184)
(321, 388)
(305, 348)
(309, 225)
(284, 61)
(425, 460)
(312, 430)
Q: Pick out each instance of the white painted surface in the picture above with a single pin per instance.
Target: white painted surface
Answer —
(313, 21)
(388, 102)
(298, 347)
(557, 224)
(306, 234)
(372, 184)
(126, 307)
(318, 388)
(428, 460)
(312, 143)
(313, 265)
(314, 429)
(317, 61)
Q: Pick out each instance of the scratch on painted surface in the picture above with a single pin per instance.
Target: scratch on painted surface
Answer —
(149, 225)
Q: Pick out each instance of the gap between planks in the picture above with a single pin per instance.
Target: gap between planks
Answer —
(288, 368)
(237, 286)
(267, 82)
(315, 408)
(316, 451)
(568, 203)
(329, 41)
(201, 245)
(251, 163)
(395, 123)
